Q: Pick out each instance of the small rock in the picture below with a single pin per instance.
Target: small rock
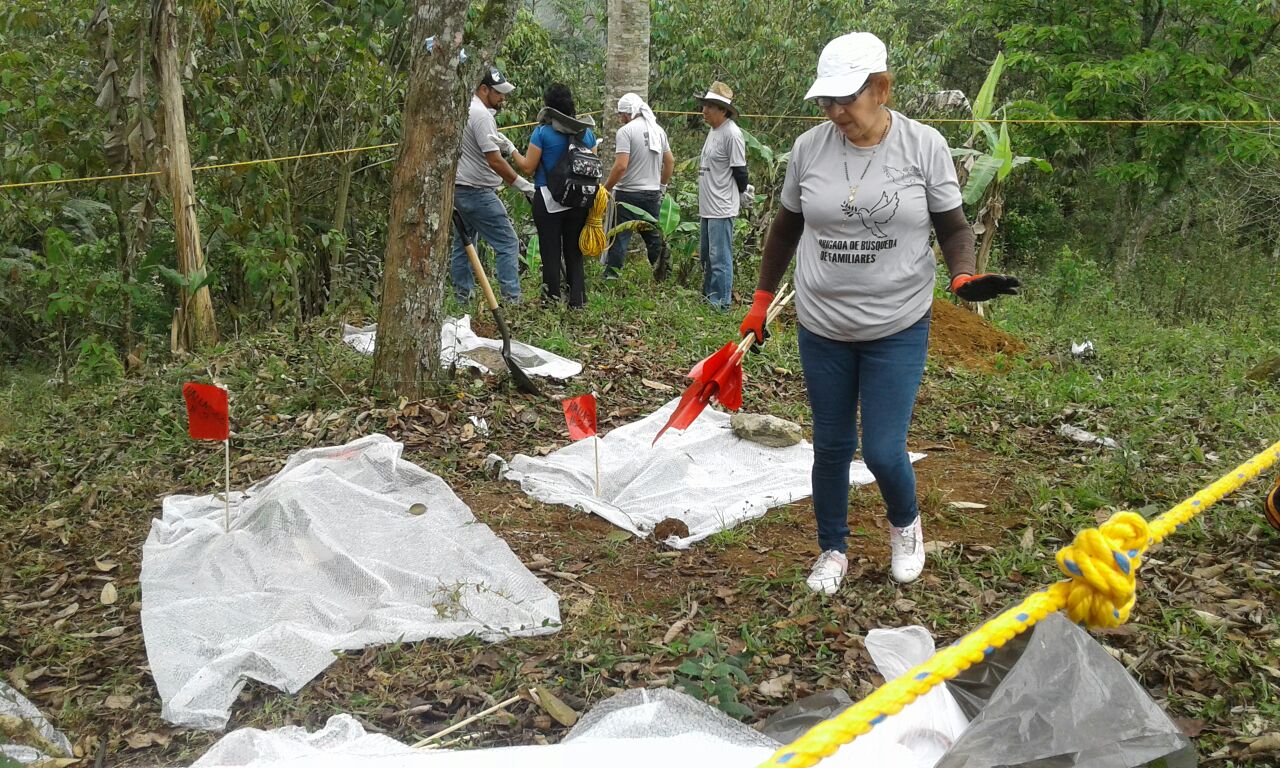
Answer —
(766, 430)
(1268, 371)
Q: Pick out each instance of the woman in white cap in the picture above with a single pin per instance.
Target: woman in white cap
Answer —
(862, 195)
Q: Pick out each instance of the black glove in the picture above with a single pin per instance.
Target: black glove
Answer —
(984, 287)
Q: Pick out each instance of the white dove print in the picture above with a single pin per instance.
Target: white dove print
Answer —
(881, 213)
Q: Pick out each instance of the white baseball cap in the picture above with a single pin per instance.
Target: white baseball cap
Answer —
(846, 62)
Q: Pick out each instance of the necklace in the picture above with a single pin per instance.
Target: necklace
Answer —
(849, 202)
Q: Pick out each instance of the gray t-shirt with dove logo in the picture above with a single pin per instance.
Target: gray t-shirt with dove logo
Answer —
(864, 267)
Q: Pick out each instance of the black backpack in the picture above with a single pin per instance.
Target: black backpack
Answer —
(575, 178)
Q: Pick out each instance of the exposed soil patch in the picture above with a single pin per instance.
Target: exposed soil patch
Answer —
(960, 336)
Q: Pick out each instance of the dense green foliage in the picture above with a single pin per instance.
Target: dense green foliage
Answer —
(1178, 221)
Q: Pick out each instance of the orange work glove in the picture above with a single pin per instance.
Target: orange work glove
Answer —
(755, 319)
(984, 287)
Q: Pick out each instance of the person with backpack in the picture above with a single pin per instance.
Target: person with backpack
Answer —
(566, 175)
(642, 166)
(481, 170)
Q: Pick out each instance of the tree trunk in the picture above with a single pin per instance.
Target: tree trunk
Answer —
(194, 326)
(407, 356)
(627, 66)
(988, 222)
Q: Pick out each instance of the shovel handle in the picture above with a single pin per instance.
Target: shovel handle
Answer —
(476, 267)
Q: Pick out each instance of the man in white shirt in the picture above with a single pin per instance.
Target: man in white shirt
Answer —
(481, 170)
(722, 190)
(642, 167)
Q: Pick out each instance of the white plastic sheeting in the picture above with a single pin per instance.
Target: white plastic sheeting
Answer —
(347, 546)
(635, 729)
(460, 345)
(932, 723)
(41, 742)
(706, 477)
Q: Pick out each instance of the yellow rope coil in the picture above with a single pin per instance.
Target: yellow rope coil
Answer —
(592, 240)
(1102, 565)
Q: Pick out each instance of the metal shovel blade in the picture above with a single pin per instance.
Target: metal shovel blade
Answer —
(521, 379)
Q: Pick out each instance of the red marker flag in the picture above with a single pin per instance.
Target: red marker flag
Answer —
(208, 416)
(580, 416)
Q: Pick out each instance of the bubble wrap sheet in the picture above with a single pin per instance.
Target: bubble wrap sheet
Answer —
(41, 741)
(635, 729)
(326, 555)
(460, 345)
(706, 476)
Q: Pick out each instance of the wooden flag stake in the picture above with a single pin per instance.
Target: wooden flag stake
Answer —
(596, 445)
(226, 495)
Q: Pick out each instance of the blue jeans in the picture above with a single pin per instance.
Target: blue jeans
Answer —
(716, 248)
(649, 202)
(883, 376)
(485, 218)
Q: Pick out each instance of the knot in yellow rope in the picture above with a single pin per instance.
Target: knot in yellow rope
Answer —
(1103, 565)
(592, 240)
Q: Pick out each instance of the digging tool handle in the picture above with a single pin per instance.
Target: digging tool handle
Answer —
(476, 266)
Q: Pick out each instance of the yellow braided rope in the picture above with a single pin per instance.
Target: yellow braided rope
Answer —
(236, 164)
(1102, 564)
(1024, 120)
(592, 241)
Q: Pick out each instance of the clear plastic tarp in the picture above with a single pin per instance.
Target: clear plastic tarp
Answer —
(348, 546)
(460, 346)
(705, 477)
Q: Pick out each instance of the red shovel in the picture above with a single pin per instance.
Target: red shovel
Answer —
(719, 376)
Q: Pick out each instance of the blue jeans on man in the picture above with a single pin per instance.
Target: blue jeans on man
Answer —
(715, 245)
(649, 201)
(485, 218)
(882, 377)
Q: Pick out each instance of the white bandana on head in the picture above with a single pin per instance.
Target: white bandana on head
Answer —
(632, 104)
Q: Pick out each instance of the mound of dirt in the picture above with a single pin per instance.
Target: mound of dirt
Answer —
(960, 337)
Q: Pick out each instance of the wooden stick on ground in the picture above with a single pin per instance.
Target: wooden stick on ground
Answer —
(466, 722)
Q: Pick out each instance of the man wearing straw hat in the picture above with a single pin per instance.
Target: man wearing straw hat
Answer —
(722, 191)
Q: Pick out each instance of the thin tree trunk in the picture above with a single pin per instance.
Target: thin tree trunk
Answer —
(194, 326)
(988, 222)
(627, 62)
(407, 356)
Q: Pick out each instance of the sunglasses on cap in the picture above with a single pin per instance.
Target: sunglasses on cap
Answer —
(825, 102)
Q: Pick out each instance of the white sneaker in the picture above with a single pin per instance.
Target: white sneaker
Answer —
(828, 572)
(907, 546)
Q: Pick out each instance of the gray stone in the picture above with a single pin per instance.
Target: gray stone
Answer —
(1268, 371)
(766, 430)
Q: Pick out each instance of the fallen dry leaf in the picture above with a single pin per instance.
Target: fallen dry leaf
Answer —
(934, 547)
(776, 687)
(109, 594)
(119, 701)
(674, 631)
(966, 505)
(147, 739)
(53, 588)
(657, 385)
(1265, 744)
(552, 705)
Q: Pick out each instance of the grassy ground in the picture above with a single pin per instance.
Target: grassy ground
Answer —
(82, 473)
